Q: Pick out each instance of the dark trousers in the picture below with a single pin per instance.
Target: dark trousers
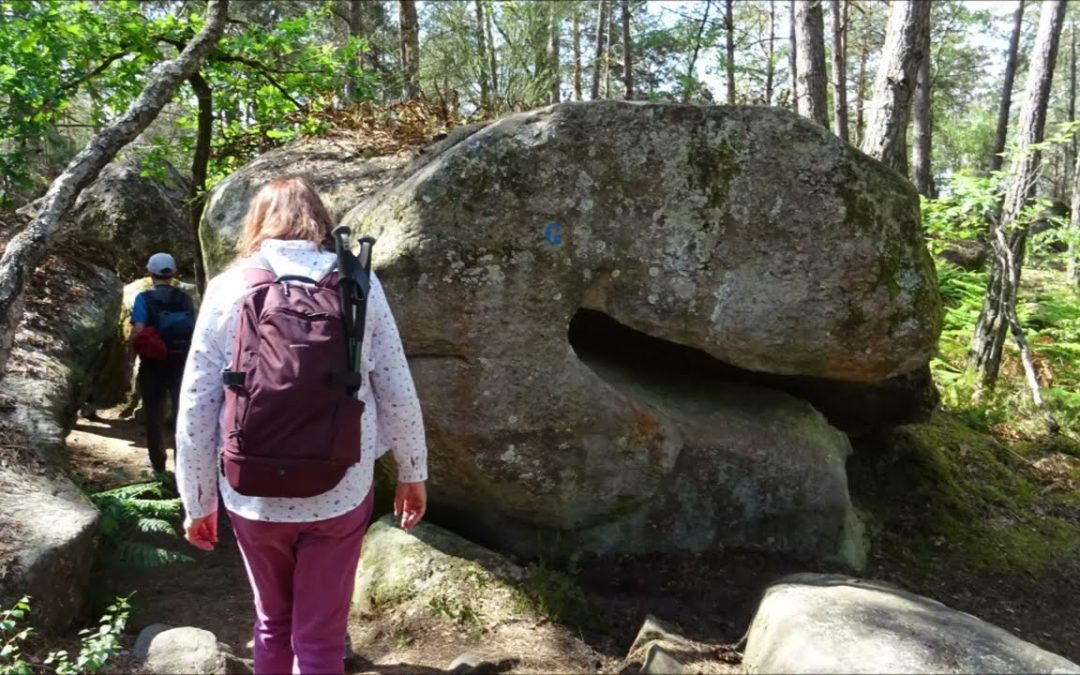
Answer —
(156, 379)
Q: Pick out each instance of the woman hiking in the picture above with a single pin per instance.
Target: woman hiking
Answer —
(295, 475)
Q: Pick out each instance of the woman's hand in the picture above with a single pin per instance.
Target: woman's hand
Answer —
(202, 532)
(410, 502)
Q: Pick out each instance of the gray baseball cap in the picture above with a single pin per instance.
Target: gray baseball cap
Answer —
(161, 265)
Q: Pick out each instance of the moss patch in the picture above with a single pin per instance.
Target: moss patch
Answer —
(945, 495)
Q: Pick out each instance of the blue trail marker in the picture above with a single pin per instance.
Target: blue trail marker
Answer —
(552, 234)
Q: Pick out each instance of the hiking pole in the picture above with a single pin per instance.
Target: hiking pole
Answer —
(347, 292)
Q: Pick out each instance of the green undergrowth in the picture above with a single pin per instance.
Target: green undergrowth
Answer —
(946, 495)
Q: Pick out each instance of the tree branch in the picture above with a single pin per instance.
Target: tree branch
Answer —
(26, 249)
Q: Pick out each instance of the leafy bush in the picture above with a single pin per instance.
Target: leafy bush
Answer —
(96, 648)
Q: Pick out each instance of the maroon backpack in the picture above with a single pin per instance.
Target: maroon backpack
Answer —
(292, 419)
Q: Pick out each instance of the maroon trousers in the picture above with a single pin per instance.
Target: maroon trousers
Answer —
(302, 577)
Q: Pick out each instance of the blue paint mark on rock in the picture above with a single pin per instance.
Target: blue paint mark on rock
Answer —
(552, 234)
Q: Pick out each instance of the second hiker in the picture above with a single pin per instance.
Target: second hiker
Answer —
(162, 321)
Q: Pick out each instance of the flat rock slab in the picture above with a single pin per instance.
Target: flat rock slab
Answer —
(813, 623)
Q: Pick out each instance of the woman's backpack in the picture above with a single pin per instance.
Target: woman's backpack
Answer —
(292, 419)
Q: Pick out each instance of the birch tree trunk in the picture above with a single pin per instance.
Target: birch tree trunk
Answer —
(601, 35)
(729, 62)
(27, 248)
(839, 40)
(922, 149)
(1009, 235)
(1001, 131)
(793, 62)
(410, 48)
(553, 52)
(810, 37)
(894, 86)
(577, 54)
(628, 53)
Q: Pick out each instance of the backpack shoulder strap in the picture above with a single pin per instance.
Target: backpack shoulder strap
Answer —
(258, 271)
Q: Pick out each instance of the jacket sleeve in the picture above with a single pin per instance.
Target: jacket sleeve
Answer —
(400, 422)
(201, 398)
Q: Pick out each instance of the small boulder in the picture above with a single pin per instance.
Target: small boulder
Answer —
(815, 623)
(180, 650)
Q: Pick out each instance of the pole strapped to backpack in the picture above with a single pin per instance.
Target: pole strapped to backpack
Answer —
(354, 284)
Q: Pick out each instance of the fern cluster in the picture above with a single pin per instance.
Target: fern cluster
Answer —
(132, 513)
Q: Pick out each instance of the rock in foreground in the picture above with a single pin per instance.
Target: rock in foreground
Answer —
(810, 623)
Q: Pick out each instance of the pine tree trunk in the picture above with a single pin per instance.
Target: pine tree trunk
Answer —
(692, 65)
(922, 149)
(886, 133)
(770, 67)
(860, 88)
(410, 48)
(1001, 132)
(840, 107)
(810, 36)
(729, 63)
(608, 48)
(27, 248)
(553, 53)
(1073, 259)
(1009, 236)
(601, 48)
(481, 45)
(493, 64)
(356, 29)
(577, 55)
(793, 62)
(628, 53)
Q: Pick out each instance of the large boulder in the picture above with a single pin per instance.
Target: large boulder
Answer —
(338, 166)
(71, 310)
(749, 235)
(811, 623)
(129, 217)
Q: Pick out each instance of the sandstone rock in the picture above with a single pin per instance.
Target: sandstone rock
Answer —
(182, 650)
(811, 623)
(746, 234)
(433, 583)
(70, 310)
(130, 217)
(332, 164)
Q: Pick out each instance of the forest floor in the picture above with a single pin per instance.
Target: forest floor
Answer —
(986, 527)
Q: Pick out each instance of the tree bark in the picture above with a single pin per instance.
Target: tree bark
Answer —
(886, 133)
(839, 36)
(794, 60)
(692, 65)
(356, 29)
(1073, 255)
(27, 248)
(810, 36)
(1070, 147)
(628, 53)
(493, 62)
(1001, 132)
(601, 34)
(553, 53)
(1009, 235)
(860, 89)
(729, 62)
(608, 49)
(410, 48)
(200, 163)
(770, 67)
(481, 45)
(923, 125)
(577, 55)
